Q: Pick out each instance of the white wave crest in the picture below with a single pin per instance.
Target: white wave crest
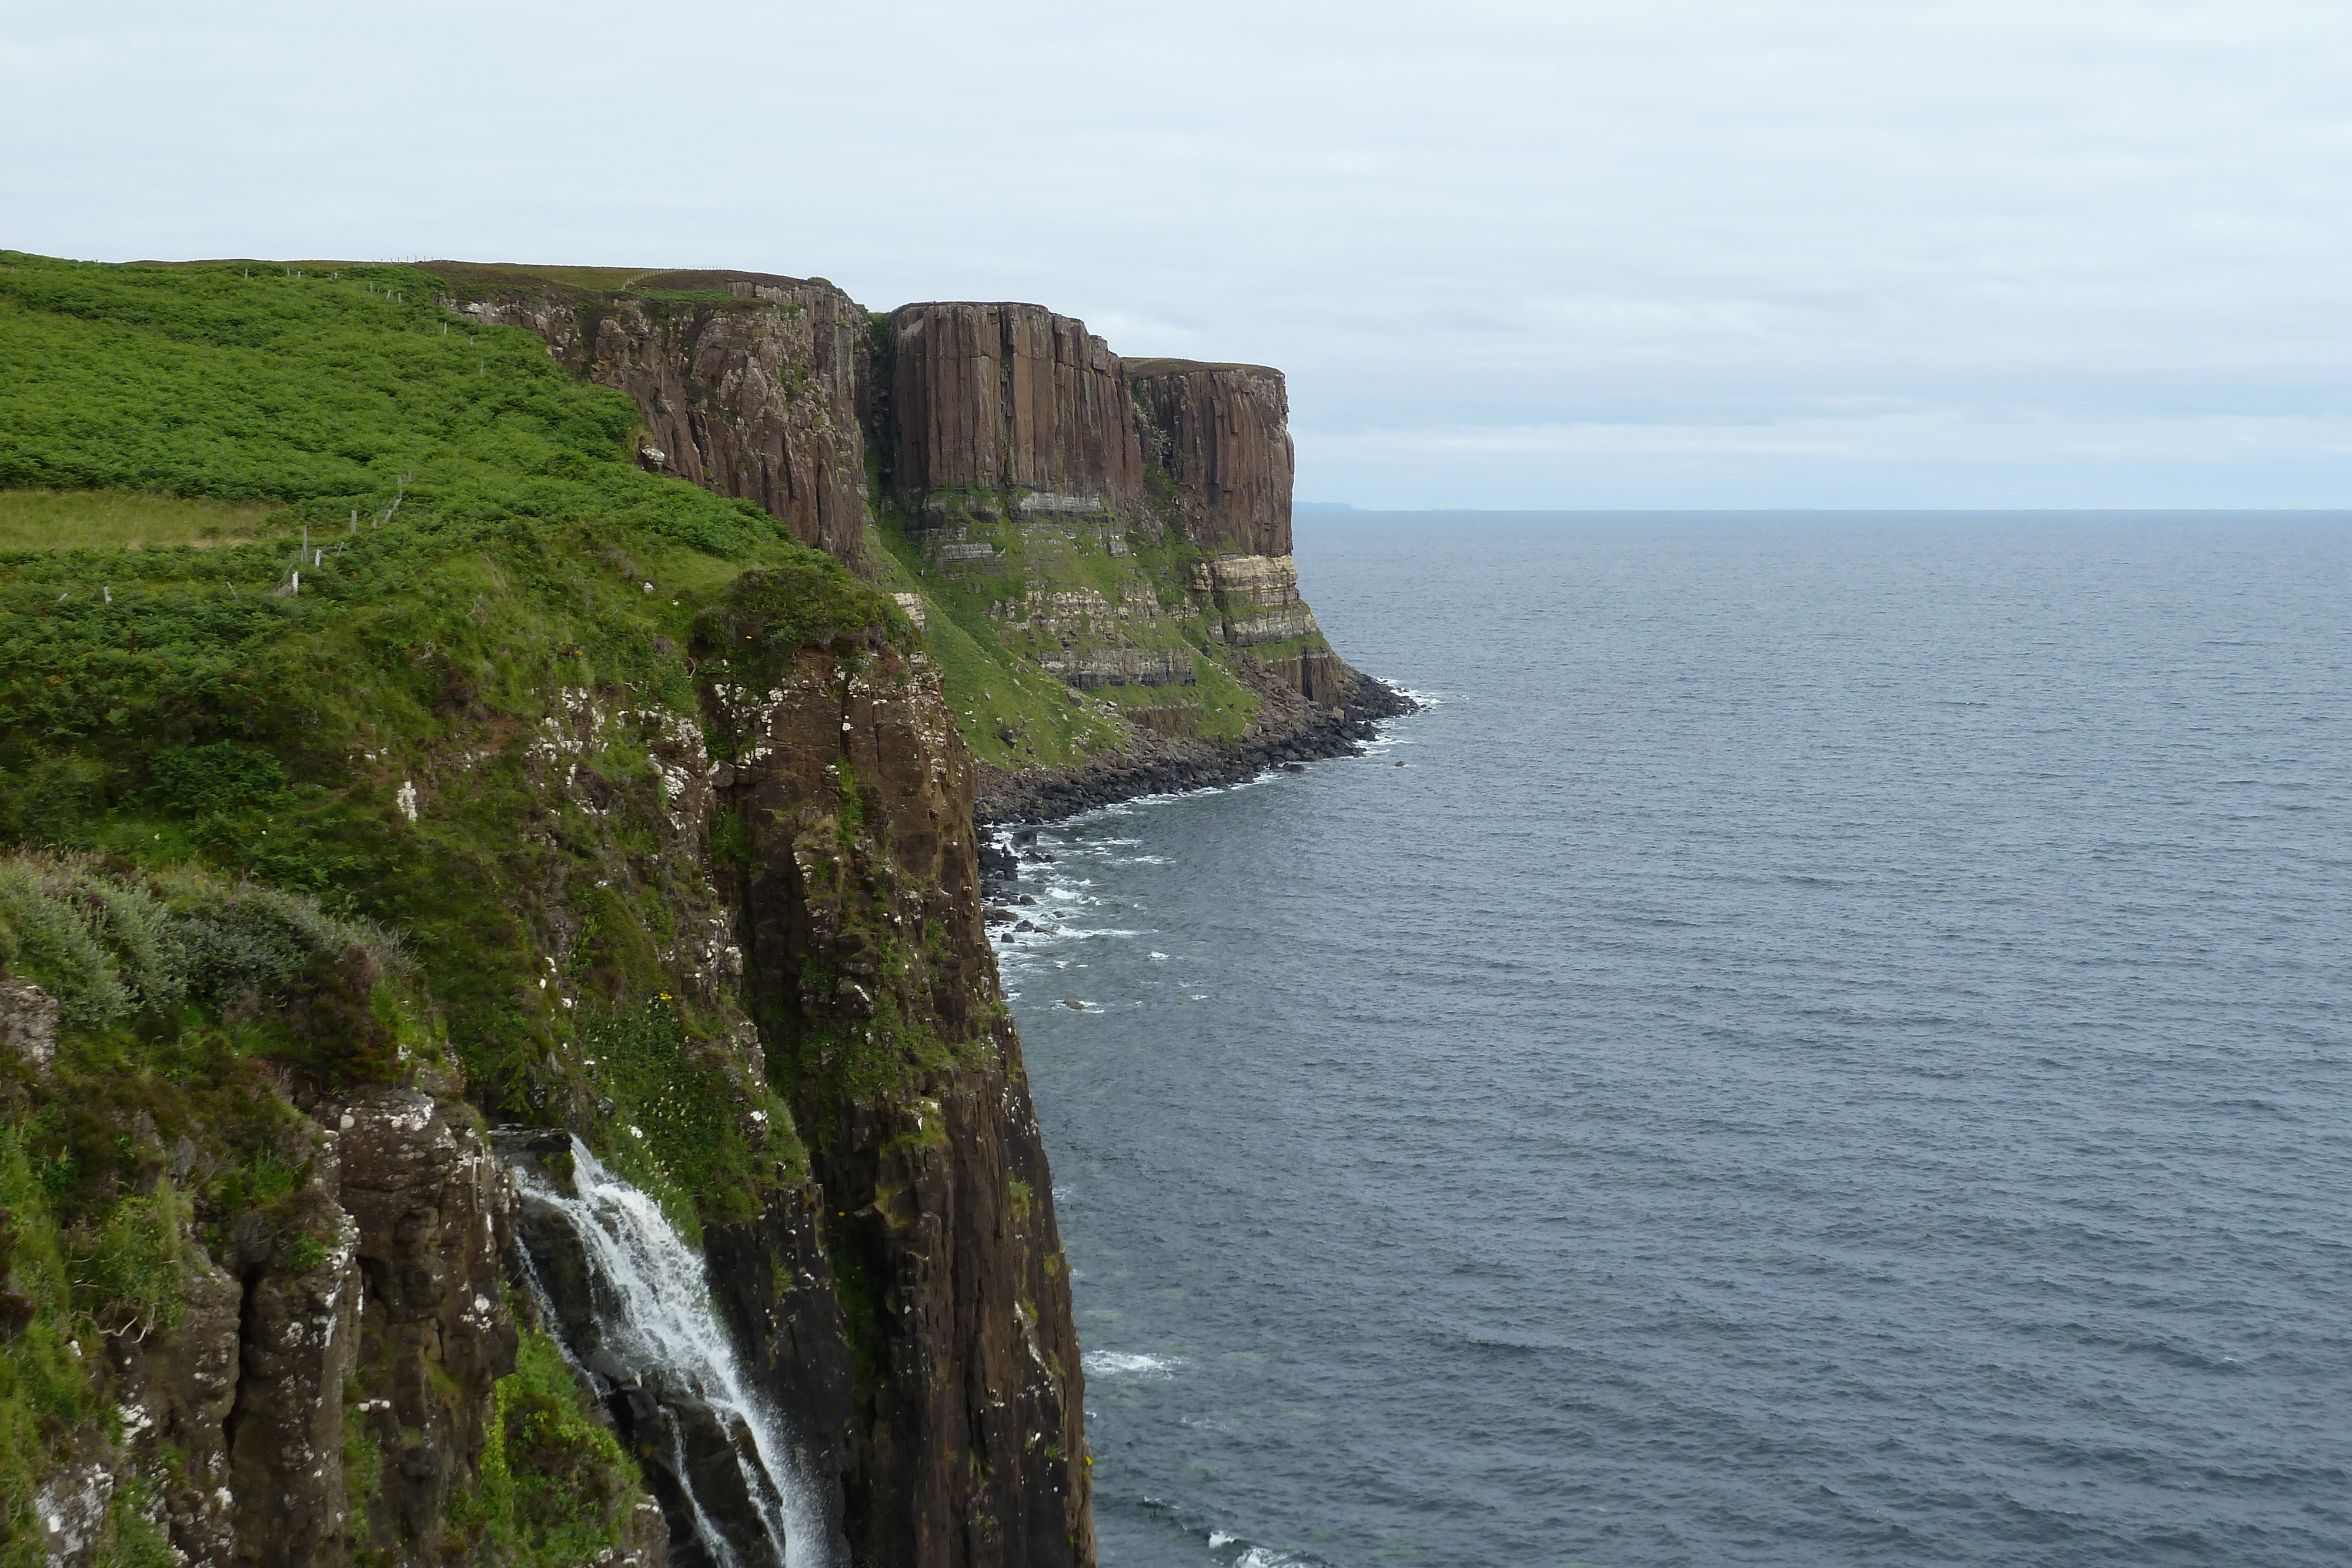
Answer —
(1125, 1364)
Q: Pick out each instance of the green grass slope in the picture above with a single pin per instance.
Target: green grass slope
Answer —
(472, 540)
(203, 768)
(1014, 712)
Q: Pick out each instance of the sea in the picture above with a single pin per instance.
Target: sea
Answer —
(1827, 1040)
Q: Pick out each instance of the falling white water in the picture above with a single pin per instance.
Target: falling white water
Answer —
(660, 1326)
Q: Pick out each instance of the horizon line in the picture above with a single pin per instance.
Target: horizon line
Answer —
(1337, 508)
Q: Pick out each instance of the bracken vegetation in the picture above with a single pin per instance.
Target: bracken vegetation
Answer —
(476, 539)
(188, 1005)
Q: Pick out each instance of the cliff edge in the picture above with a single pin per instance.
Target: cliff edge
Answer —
(1096, 550)
(463, 727)
(405, 772)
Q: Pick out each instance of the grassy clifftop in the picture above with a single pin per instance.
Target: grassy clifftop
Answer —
(325, 614)
(473, 542)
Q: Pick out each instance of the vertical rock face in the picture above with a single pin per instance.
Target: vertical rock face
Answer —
(878, 1005)
(339, 1378)
(1222, 434)
(756, 397)
(433, 1212)
(285, 1433)
(773, 1282)
(1011, 441)
(404, 1300)
(1000, 397)
(178, 1386)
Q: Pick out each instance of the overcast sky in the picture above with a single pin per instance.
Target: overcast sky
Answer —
(1647, 253)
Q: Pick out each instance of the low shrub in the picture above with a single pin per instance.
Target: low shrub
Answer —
(555, 1488)
(112, 947)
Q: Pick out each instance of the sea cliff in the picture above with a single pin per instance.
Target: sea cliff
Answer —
(529, 704)
(1098, 549)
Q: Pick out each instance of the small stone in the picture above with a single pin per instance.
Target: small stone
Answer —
(28, 1022)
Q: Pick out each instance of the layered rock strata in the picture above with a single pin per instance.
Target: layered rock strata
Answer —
(1258, 607)
(1076, 635)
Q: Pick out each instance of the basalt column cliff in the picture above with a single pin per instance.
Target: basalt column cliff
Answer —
(1097, 550)
(1122, 527)
(1222, 434)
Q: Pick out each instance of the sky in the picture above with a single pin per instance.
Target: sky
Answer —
(1664, 253)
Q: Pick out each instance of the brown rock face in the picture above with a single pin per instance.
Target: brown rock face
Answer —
(285, 1434)
(180, 1384)
(1008, 396)
(878, 1006)
(402, 1297)
(756, 398)
(777, 1295)
(433, 1209)
(1221, 433)
(770, 396)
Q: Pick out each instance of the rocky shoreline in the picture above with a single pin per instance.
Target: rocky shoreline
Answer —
(1290, 730)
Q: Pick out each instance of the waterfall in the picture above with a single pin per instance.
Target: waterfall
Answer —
(631, 1304)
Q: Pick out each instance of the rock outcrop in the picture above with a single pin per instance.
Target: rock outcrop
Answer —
(432, 1212)
(871, 976)
(29, 1022)
(753, 393)
(1220, 434)
(384, 1273)
(1258, 607)
(1009, 398)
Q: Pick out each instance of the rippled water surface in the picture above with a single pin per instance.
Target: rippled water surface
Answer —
(1831, 1048)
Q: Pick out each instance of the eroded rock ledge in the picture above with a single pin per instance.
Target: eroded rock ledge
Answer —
(1291, 729)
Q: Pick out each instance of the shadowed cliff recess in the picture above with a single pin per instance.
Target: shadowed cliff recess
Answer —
(1095, 551)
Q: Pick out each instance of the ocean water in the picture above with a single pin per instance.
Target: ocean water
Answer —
(1830, 1041)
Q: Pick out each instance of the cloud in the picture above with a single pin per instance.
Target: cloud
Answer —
(1729, 215)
